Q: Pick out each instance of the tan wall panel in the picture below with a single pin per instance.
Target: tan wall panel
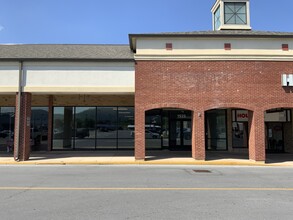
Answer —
(92, 100)
(7, 100)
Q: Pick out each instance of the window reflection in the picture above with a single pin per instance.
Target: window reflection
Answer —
(63, 127)
(7, 115)
(216, 131)
(39, 128)
(93, 127)
(125, 127)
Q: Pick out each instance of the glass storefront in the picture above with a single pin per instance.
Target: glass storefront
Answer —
(216, 130)
(7, 115)
(93, 128)
(168, 129)
(240, 128)
(39, 128)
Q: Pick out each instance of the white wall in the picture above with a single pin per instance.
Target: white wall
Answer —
(9, 77)
(69, 77)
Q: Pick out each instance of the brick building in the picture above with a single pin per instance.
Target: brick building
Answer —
(223, 90)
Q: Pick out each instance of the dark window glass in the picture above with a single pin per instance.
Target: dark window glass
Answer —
(216, 131)
(7, 115)
(39, 128)
(125, 127)
(84, 132)
(106, 127)
(63, 131)
(153, 123)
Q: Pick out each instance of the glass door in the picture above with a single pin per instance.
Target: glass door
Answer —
(275, 142)
(183, 134)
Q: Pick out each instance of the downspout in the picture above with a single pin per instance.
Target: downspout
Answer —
(20, 77)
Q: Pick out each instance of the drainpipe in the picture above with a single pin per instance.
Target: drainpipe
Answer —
(20, 77)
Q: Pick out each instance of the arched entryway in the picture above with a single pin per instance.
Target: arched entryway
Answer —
(278, 130)
(227, 132)
(168, 128)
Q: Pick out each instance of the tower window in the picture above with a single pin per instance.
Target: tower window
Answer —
(235, 13)
(217, 19)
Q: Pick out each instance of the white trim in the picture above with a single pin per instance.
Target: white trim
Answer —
(214, 57)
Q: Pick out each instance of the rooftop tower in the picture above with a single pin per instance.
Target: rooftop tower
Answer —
(231, 15)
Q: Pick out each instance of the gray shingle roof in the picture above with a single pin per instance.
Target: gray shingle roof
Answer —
(66, 52)
(222, 33)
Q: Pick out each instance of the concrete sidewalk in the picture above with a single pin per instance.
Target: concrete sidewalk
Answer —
(126, 157)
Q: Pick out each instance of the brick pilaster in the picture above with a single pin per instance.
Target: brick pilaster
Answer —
(139, 134)
(256, 135)
(23, 136)
(198, 136)
(50, 122)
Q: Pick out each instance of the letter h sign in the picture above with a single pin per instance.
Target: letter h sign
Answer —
(287, 79)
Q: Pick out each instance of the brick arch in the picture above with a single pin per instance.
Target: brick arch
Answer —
(162, 106)
(230, 105)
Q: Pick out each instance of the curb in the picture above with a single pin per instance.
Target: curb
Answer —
(173, 162)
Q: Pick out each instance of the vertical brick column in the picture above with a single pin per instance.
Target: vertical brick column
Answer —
(50, 122)
(198, 136)
(256, 126)
(23, 136)
(139, 134)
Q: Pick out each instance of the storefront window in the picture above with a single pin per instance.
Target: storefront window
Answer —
(125, 127)
(63, 128)
(39, 128)
(7, 115)
(240, 128)
(93, 128)
(84, 132)
(216, 131)
(153, 125)
(106, 127)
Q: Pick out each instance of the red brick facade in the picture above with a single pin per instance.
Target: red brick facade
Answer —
(204, 85)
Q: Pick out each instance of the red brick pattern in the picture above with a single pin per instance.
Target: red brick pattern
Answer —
(50, 122)
(203, 85)
(24, 129)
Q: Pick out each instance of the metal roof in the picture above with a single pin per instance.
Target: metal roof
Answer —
(213, 34)
(66, 52)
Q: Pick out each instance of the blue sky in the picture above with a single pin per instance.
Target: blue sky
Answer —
(110, 21)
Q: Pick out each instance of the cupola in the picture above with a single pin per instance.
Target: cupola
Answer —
(231, 15)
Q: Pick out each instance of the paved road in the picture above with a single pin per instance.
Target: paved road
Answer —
(145, 192)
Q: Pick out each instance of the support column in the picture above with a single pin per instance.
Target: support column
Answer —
(256, 126)
(198, 136)
(22, 134)
(139, 134)
(50, 122)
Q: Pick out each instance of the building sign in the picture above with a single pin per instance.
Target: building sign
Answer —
(287, 79)
(181, 116)
(241, 115)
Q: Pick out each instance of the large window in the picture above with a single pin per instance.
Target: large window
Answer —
(7, 115)
(216, 130)
(235, 13)
(153, 129)
(240, 128)
(39, 128)
(93, 128)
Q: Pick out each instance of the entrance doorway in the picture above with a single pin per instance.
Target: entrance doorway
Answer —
(183, 134)
(171, 127)
(275, 137)
(180, 134)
